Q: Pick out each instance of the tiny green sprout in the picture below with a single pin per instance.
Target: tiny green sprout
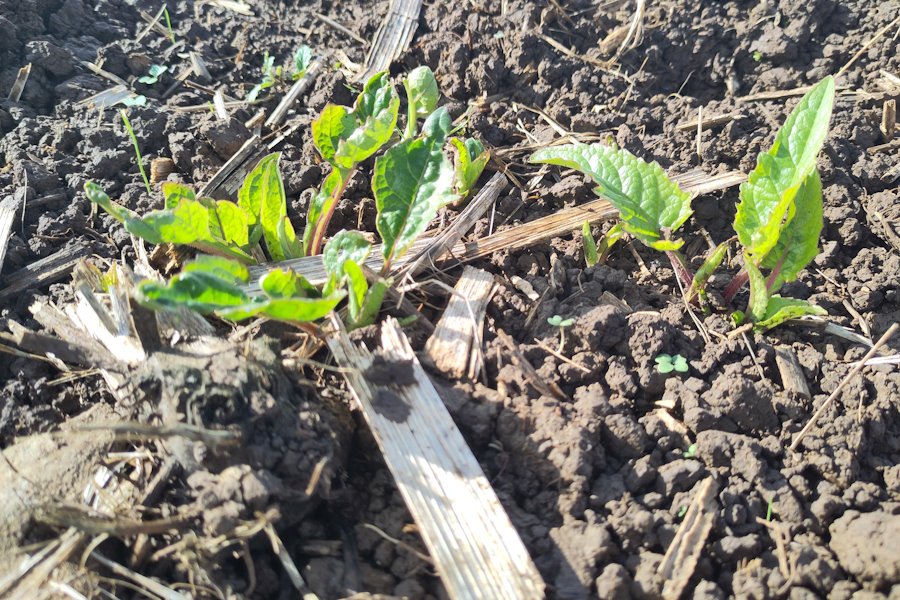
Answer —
(153, 74)
(558, 321)
(769, 510)
(302, 59)
(691, 452)
(666, 363)
(757, 56)
(169, 25)
(137, 150)
(682, 511)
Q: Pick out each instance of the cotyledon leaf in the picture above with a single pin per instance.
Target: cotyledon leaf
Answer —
(781, 309)
(647, 200)
(767, 197)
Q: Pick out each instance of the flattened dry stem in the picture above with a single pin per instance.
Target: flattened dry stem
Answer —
(451, 348)
(681, 558)
(475, 548)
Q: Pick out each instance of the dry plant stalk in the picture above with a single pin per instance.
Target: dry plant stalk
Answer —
(476, 550)
(681, 558)
(452, 347)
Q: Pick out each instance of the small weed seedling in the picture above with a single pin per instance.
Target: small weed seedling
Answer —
(691, 452)
(153, 74)
(137, 150)
(169, 25)
(272, 74)
(666, 363)
(558, 321)
(778, 221)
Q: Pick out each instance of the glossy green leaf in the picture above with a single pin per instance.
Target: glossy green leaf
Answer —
(767, 197)
(422, 91)
(298, 310)
(590, 246)
(334, 125)
(196, 290)
(410, 182)
(376, 112)
(781, 309)
(372, 305)
(291, 247)
(357, 287)
(219, 267)
(285, 283)
(187, 223)
(469, 159)
(609, 240)
(345, 246)
(232, 221)
(649, 203)
(798, 243)
(265, 190)
(174, 192)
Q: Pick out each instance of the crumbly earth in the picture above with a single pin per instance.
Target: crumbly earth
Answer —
(597, 483)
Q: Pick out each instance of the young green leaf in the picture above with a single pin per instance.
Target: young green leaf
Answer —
(217, 266)
(648, 202)
(374, 298)
(302, 58)
(411, 181)
(188, 223)
(205, 285)
(334, 125)
(781, 309)
(798, 243)
(285, 283)
(767, 197)
(609, 240)
(296, 310)
(173, 193)
(422, 91)
(265, 192)
(153, 74)
(357, 287)
(469, 161)
(344, 246)
(376, 112)
(590, 246)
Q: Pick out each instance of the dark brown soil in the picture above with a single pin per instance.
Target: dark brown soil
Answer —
(596, 484)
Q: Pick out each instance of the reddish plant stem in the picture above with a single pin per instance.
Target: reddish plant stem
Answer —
(316, 246)
(682, 271)
(735, 285)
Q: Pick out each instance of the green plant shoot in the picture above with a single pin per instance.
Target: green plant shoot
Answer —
(666, 363)
(153, 74)
(469, 160)
(137, 150)
(590, 246)
(422, 96)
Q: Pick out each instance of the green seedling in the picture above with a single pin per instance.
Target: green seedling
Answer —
(561, 323)
(169, 25)
(344, 258)
(302, 59)
(422, 96)
(778, 220)
(591, 257)
(218, 227)
(153, 74)
(213, 285)
(469, 160)
(770, 509)
(757, 56)
(133, 100)
(272, 74)
(137, 150)
(691, 452)
(666, 363)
